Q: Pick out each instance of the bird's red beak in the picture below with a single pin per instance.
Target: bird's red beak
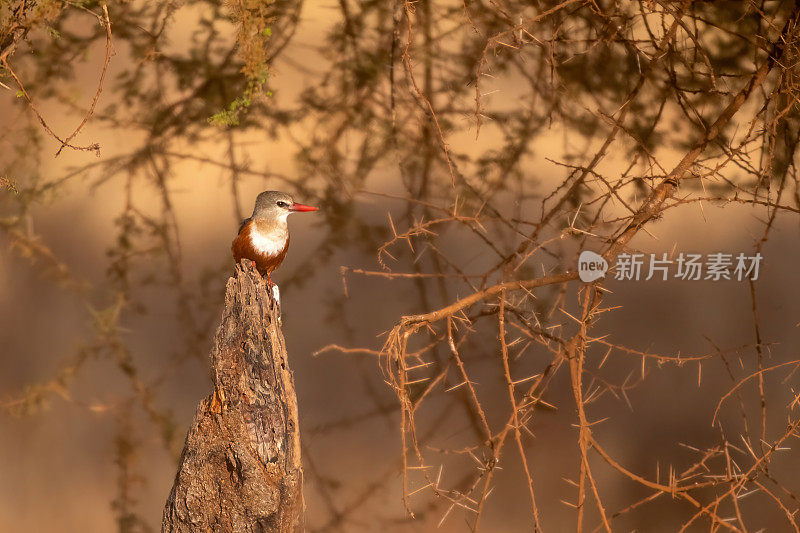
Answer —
(302, 208)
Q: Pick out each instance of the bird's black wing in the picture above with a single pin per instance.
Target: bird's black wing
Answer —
(245, 221)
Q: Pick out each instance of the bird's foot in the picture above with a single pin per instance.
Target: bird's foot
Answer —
(276, 294)
(276, 300)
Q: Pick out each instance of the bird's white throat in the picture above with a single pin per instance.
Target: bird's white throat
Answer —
(269, 242)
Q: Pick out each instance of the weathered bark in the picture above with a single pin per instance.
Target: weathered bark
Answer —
(240, 468)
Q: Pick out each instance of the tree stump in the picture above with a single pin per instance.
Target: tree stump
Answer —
(240, 468)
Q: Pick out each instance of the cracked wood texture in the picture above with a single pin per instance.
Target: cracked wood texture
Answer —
(240, 468)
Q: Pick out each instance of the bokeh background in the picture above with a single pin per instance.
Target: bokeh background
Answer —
(113, 261)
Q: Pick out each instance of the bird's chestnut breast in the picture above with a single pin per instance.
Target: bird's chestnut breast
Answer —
(265, 250)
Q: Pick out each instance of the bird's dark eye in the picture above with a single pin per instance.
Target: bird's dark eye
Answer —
(281, 203)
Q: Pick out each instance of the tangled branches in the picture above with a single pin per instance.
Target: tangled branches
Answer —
(683, 72)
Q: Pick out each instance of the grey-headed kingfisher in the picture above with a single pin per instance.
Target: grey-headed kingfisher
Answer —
(264, 237)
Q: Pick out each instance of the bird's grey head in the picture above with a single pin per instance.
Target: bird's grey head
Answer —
(276, 206)
(272, 205)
